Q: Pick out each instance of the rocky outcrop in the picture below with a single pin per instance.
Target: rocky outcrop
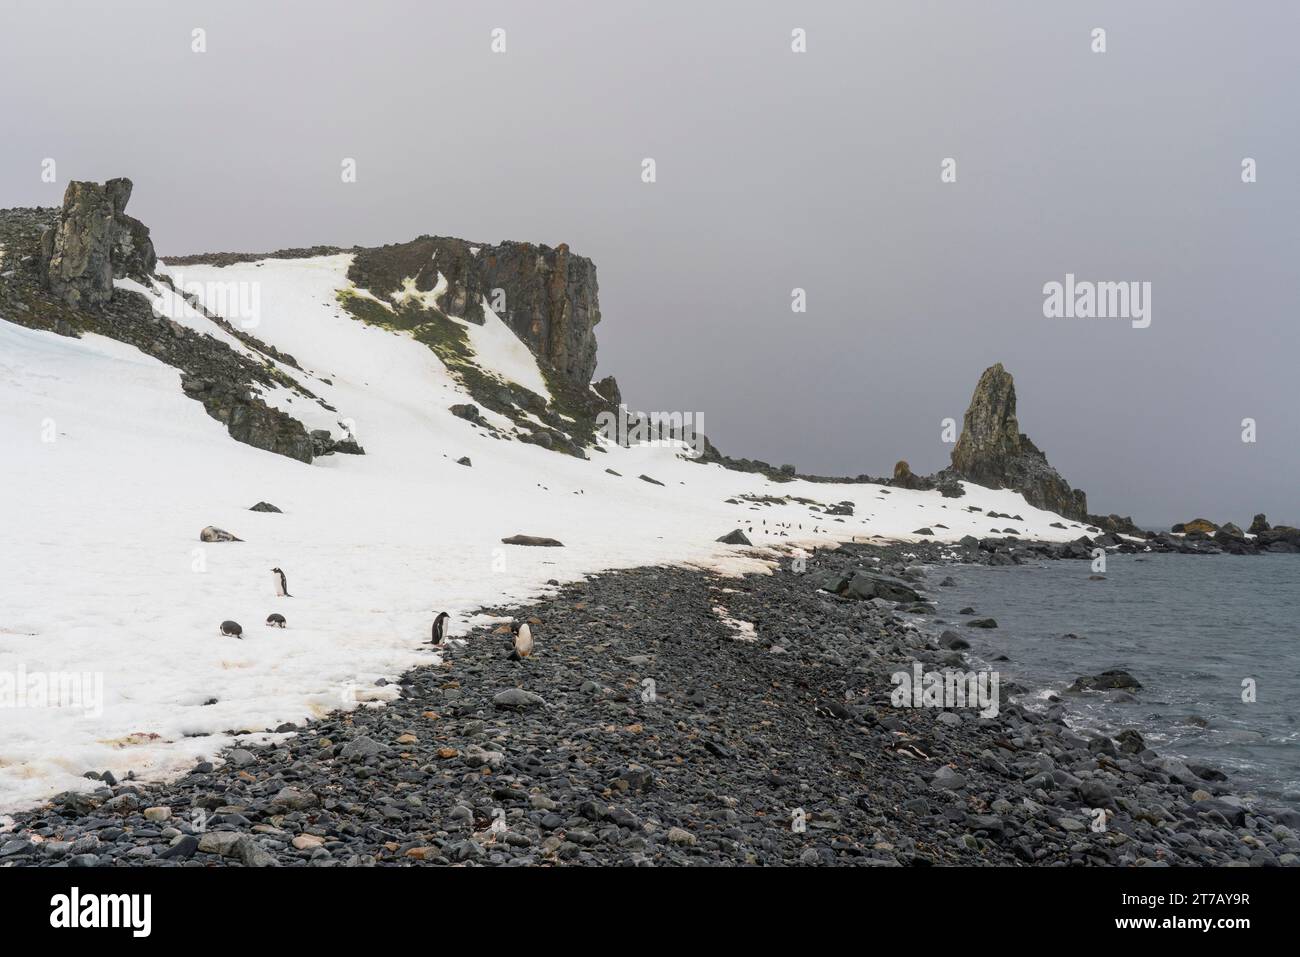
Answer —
(1279, 538)
(1259, 524)
(904, 477)
(93, 242)
(992, 451)
(607, 388)
(248, 419)
(1197, 526)
(1116, 524)
(547, 295)
(322, 443)
(66, 261)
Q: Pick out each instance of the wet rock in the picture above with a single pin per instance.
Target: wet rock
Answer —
(864, 585)
(1106, 681)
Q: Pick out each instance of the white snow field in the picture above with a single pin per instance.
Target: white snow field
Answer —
(109, 473)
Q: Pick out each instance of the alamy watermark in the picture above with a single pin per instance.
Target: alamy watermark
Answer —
(234, 300)
(946, 689)
(655, 429)
(82, 690)
(1084, 299)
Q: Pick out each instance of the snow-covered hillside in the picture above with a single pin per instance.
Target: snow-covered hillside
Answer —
(110, 472)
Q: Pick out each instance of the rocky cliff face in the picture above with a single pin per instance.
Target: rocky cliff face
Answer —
(992, 451)
(549, 296)
(92, 242)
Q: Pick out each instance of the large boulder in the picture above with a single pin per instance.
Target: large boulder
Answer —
(992, 451)
(1113, 680)
(1118, 524)
(1259, 524)
(735, 537)
(865, 585)
(93, 242)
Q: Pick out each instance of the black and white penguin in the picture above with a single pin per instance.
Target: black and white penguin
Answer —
(439, 629)
(523, 645)
(275, 620)
(231, 629)
(281, 584)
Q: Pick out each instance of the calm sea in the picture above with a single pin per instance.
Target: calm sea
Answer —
(1192, 629)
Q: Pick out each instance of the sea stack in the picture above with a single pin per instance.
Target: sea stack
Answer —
(992, 451)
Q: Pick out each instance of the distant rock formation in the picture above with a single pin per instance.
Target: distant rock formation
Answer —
(904, 477)
(1116, 524)
(992, 451)
(93, 242)
(548, 295)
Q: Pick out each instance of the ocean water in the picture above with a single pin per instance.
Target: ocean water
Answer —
(1191, 629)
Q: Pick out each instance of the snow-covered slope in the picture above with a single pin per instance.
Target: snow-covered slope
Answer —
(110, 472)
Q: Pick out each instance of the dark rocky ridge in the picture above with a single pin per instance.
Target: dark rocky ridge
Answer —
(57, 275)
(58, 272)
(551, 297)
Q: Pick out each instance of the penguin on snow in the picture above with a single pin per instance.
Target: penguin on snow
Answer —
(439, 629)
(281, 584)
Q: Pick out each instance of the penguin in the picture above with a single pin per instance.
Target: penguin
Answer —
(439, 629)
(275, 620)
(523, 646)
(281, 584)
(231, 629)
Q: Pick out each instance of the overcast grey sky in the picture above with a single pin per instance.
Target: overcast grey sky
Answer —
(775, 170)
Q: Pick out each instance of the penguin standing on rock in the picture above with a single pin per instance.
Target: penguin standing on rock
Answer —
(439, 629)
(281, 584)
(523, 645)
(231, 629)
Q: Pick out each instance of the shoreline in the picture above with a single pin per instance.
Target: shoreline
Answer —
(1037, 629)
(765, 736)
